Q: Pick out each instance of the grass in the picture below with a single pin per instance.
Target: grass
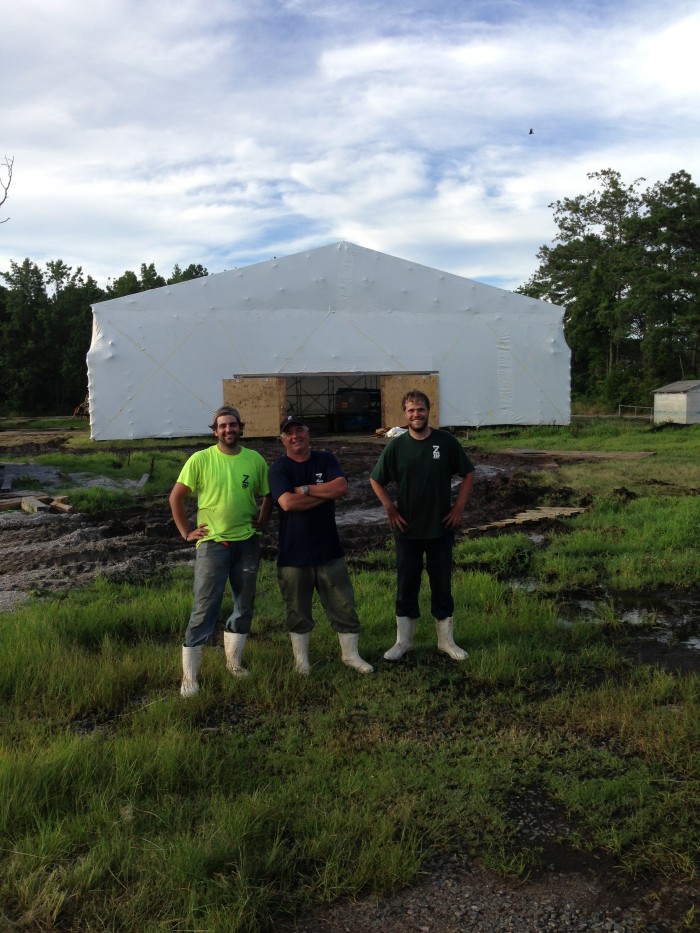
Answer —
(124, 807)
(123, 463)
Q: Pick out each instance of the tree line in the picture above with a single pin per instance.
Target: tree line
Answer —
(624, 265)
(46, 329)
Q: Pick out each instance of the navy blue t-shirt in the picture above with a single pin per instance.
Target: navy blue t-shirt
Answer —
(311, 537)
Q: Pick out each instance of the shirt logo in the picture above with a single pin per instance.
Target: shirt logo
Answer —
(436, 451)
(319, 478)
(246, 481)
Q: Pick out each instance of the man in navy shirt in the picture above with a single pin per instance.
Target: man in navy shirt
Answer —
(305, 484)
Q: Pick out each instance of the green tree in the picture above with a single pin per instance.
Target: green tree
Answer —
(72, 309)
(193, 271)
(590, 272)
(150, 278)
(126, 284)
(129, 283)
(666, 290)
(28, 344)
(46, 322)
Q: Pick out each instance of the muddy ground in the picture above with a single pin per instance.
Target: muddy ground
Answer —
(48, 553)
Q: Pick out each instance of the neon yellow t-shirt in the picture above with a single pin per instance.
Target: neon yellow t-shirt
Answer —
(226, 486)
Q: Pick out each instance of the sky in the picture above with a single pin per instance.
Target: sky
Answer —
(234, 131)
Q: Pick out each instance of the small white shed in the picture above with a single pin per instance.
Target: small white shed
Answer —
(678, 402)
(291, 334)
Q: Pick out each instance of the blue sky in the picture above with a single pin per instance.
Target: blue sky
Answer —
(233, 131)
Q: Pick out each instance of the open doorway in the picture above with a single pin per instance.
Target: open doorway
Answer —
(331, 402)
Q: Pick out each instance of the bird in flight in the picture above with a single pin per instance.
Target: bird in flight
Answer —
(531, 133)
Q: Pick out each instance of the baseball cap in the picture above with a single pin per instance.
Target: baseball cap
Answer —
(290, 420)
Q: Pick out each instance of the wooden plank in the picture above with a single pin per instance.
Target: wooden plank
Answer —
(7, 505)
(61, 505)
(531, 515)
(46, 502)
(35, 504)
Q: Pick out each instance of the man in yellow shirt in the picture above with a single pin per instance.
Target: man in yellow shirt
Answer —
(226, 478)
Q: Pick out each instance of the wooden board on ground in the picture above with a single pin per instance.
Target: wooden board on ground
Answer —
(531, 515)
(28, 503)
(578, 454)
(34, 504)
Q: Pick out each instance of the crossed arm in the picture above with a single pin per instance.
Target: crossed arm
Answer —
(319, 493)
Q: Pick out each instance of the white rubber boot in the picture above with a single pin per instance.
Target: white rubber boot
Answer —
(349, 653)
(405, 630)
(300, 647)
(234, 643)
(446, 642)
(191, 659)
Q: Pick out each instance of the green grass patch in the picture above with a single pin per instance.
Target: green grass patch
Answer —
(640, 545)
(263, 797)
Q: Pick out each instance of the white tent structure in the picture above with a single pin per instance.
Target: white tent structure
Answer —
(281, 335)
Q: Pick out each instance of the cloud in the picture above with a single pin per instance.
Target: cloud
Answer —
(230, 132)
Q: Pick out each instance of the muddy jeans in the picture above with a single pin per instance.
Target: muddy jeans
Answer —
(332, 581)
(215, 563)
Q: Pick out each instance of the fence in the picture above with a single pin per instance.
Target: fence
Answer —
(635, 411)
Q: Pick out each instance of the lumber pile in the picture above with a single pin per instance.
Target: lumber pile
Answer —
(531, 515)
(35, 502)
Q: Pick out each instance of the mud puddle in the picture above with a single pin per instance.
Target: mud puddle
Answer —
(660, 628)
(673, 619)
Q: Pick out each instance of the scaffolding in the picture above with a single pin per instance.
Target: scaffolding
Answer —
(313, 397)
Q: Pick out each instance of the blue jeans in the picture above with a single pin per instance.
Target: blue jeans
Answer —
(214, 564)
(409, 568)
(332, 582)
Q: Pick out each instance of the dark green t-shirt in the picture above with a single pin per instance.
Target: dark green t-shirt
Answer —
(423, 471)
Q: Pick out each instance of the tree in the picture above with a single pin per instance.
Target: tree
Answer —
(8, 165)
(26, 350)
(46, 325)
(150, 278)
(71, 306)
(625, 271)
(666, 292)
(193, 271)
(45, 337)
(129, 283)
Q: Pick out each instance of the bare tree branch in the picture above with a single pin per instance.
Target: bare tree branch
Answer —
(5, 185)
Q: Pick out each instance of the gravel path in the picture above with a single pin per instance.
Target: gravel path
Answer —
(459, 897)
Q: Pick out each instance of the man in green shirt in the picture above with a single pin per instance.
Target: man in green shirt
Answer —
(421, 462)
(226, 478)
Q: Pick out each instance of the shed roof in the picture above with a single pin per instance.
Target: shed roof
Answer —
(683, 385)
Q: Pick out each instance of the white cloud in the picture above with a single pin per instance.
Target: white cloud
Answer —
(230, 132)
